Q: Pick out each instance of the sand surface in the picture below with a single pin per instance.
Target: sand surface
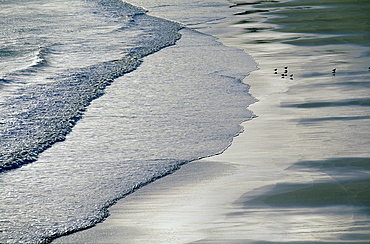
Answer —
(208, 201)
(205, 201)
(221, 199)
(213, 200)
(201, 201)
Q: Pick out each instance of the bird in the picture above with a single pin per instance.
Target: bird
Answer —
(282, 75)
(286, 70)
(291, 76)
(275, 71)
(333, 71)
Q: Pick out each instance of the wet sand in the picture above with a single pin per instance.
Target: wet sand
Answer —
(298, 172)
(227, 198)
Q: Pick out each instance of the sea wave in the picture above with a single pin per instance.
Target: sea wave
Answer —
(16, 60)
(35, 117)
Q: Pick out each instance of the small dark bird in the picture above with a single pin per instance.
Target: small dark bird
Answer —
(282, 76)
(285, 71)
(291, 76)
(333, 71)
(275, 71)
(286, 67)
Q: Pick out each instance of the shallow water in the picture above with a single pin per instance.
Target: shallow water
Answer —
(92, 123)
(332, 107)
(316, 123)
(308, 159)
(300, 171)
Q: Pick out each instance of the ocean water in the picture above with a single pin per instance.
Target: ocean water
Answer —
(89, 113)
(85, 120)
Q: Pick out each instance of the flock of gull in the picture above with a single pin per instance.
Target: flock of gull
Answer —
(285, 73)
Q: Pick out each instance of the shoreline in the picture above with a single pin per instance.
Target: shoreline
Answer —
(210, 187)
(110, 230)
(233, 197)
(207, 201)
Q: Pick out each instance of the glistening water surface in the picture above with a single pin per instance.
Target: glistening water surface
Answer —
(309, 153)
(82, 123)
(314, 109)
(300, 170)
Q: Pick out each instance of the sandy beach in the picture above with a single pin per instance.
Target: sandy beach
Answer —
(257, 191)
(207, 201)
(197, 202)
(171, 121)
(201, 199)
